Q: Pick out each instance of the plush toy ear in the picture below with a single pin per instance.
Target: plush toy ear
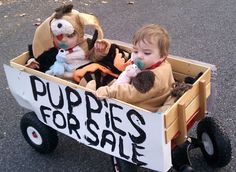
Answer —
(43, 38)
(91, 20)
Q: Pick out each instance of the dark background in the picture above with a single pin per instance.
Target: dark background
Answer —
(203, 30)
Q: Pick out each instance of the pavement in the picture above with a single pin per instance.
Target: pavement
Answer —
(200, 30)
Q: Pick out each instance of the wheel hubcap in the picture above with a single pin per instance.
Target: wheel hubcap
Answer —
(208, 145)
(34, 136)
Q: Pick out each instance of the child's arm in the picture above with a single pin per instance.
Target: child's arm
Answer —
(124, 92)
(163, 80)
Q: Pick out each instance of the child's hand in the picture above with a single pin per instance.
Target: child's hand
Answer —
(32, 63)
(102, 46)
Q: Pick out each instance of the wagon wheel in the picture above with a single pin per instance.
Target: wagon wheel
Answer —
(120, 165)
(41, 137)
(215, 144)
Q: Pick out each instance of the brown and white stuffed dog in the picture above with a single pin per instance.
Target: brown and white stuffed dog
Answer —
(65, 29)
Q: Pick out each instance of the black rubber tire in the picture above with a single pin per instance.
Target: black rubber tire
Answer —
(120, 165)
(218, 154)
(41, 137)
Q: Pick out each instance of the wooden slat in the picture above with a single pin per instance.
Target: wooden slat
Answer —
(172, 131)
(191, 100)
(193, 92)
(171, 114)
(184, 67)
(182, 124)
(202, 94)
(19, 62)
(21, 59)
(179, 76)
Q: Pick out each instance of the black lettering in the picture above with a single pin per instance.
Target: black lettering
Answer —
(73, 126)
(107, 120)
(72, 104)
(44, 115)
(61, 101)
(136, 154)
(58, 113)
(113, 119)
(105, 103)
(35, 90)
(105, 140)
(90, 110)
(121, 148)
(142, 135)
(96, 141)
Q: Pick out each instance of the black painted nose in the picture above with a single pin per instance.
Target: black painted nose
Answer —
(59, 25)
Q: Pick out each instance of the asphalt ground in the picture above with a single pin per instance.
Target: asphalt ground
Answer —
(203, 30)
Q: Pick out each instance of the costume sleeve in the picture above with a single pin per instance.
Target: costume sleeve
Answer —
(46, 59)
(128, 93)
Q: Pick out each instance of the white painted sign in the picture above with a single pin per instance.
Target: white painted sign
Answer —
(108, 125)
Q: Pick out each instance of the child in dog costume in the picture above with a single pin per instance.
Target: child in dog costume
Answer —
(152, 86)
(64, 29)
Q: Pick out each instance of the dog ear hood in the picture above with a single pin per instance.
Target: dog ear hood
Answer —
(43, 37)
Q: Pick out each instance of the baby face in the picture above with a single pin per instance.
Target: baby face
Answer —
(66, 41)
(148, 53)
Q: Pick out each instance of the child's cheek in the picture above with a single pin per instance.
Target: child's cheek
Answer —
(72, 42)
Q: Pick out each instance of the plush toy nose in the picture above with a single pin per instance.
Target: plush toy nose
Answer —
(59, 25)
(59, 37)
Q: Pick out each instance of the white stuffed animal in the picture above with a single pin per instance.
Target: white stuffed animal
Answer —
(60, 66)
(129, 72)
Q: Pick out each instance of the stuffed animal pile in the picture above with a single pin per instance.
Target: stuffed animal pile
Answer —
(79, 62)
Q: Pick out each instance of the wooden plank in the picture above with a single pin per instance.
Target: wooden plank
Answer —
(182, 124)
(171, 114)
(195, 104)
(19, 62)
(171, 131)
(202, 91)
(194, 91)
(21, 59)
(192, 108)
(179, 76)
(184, 67)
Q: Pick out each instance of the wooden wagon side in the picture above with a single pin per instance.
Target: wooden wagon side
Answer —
(19, 62)
(191, 106)
(179, 117)
(170, 126)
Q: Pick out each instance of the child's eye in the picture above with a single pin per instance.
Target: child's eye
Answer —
(147, 53)
(135, 52)
(71, 35)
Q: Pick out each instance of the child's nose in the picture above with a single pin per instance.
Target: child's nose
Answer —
(140, 56)
(64, 38)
